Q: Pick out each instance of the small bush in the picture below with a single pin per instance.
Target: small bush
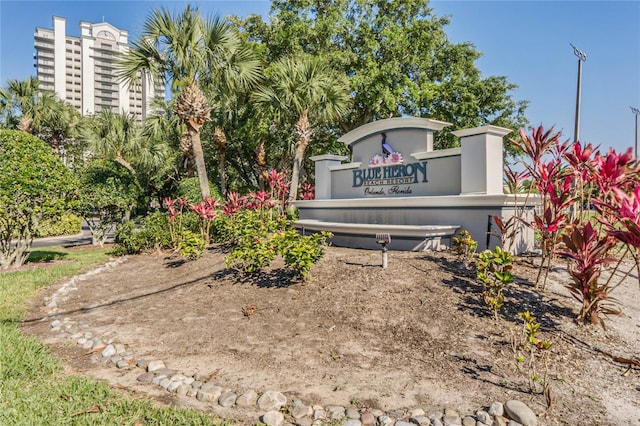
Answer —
(127, 240)
(189, 189)
(252, 256)
(155, 229)
(153, 234)
(464, 246)
(66, 224)
(494, 273)
(301, 252)
(191, 244)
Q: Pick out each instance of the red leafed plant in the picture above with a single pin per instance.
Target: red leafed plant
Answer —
(589, 251)
(543, 153)
(174, 208)
(590, 208)
(206, 211)
(308, 192)
(280, 188)
(626, 228)
(234, 203)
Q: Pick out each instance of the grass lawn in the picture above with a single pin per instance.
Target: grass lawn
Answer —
(33, 388)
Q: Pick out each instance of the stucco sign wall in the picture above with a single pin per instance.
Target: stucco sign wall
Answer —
(395, 158)
(395, 182)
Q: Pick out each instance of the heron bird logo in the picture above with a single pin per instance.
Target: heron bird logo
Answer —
(389, 155)
(386, 148)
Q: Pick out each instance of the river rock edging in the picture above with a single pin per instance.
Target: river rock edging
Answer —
(278, 409)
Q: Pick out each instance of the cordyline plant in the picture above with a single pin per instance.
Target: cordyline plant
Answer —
(589, 252)
(543, 164)
(174, 210)
(627, 229)
(207, 212)
(570, 179)
(308, 192)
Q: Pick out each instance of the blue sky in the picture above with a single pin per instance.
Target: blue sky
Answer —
(527, 41)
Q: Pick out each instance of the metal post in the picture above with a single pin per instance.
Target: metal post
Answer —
(636, 111)
(581, 58)
(384, 257)
(383, 239)
(489, 231)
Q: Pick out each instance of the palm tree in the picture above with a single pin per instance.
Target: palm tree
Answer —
(306, 89)
(239, 72)
(21, 98)
(184, 48)
(159, 160)
(161, 136)
(115, 137)
(24, 107)
(57, 123)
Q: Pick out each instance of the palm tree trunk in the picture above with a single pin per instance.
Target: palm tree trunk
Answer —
(120, 160)
(261, 160)
(198, 155)
(191, 106)
(187, 153)
(25, 124)
(303, 133)
(220, 140)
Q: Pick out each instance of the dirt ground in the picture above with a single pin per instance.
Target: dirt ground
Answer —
(416, 334)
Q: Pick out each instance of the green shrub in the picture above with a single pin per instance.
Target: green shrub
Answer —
(220, 230)
(155, 229)
(300, 252)
(494, 273)
(464, 246)
(257, 244)
(66, 224)
(252, 255)
(127, 239)
(153, 234)
(34, 186)
(191, 244)
(189, 189)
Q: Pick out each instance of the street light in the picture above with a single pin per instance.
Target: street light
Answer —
(581, 58)
(636, 111)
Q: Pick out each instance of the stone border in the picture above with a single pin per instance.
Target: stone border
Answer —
(277, 408)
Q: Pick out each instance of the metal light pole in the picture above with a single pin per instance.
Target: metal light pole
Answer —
(581, 58)
(636, 111)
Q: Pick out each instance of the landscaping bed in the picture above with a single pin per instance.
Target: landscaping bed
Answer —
(416, 334)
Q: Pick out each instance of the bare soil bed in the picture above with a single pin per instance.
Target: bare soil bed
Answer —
(416, 334)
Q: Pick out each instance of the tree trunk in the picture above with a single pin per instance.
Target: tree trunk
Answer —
(187, 153)
(198, 155)
(124, 163)
(25, 124)
(261, 160)
(303, 135)
(220, 140)
(191, 107)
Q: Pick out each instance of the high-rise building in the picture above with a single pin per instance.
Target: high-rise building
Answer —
(81, 70)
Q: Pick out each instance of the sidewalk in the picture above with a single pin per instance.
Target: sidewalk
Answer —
(79, 239)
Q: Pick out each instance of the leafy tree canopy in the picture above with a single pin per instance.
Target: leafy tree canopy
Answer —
(23, 106)
(34, 185)
(108, 192)
(398, 58)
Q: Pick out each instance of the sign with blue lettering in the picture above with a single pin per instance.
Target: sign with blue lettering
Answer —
(396, 163)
